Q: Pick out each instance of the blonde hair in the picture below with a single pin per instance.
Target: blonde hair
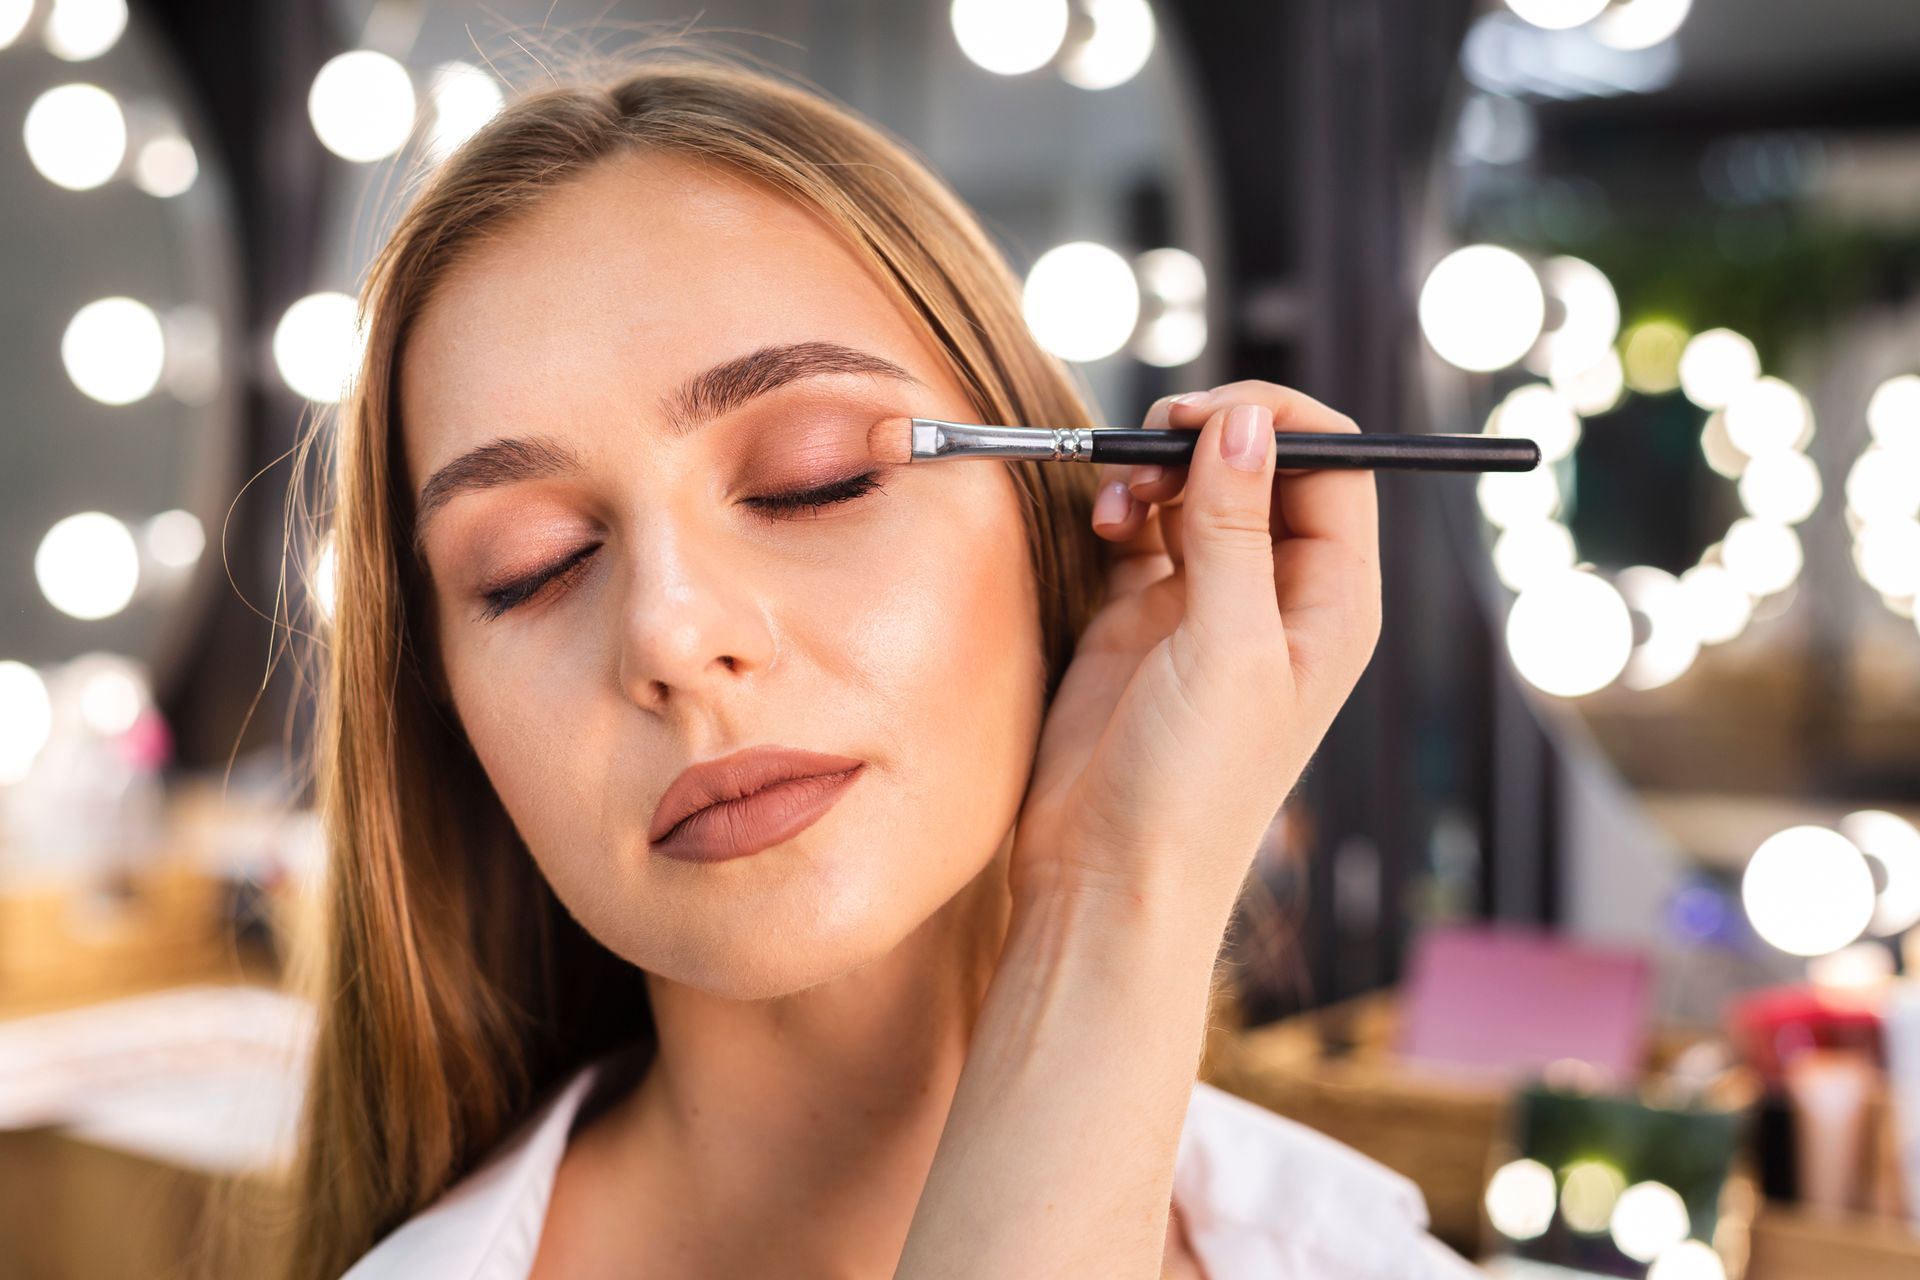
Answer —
(454, 987)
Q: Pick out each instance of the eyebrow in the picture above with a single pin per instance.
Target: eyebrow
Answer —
(705, 396)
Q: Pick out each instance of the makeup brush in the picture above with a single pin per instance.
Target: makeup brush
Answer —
(897, 440)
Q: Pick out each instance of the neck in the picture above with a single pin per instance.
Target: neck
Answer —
(814, 1116)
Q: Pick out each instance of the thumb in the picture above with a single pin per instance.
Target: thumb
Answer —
(1227, 530)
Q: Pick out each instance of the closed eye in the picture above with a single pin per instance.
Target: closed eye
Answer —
(813, 499)
(515, 594)
(778, 505)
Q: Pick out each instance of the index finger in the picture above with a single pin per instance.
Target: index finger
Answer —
(1335, 504)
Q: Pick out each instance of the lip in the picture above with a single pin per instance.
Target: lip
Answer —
(747, 801)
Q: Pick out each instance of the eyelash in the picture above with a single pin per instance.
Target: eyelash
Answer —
(780, 505)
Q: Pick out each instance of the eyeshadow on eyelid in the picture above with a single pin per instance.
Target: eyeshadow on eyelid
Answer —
(810, 450)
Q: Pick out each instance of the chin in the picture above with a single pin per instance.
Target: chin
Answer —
(760, 936)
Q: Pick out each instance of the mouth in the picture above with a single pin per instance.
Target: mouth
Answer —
(748, 801)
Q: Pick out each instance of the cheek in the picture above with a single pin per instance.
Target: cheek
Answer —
(533, 731)
(938, 629)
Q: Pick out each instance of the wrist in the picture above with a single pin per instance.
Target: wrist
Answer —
(1109, 919)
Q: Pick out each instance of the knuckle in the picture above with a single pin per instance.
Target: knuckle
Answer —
(1230, 525)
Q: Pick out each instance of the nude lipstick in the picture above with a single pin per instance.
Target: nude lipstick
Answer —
(747, 801)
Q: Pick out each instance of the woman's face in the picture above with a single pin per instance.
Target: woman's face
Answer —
(668, 347)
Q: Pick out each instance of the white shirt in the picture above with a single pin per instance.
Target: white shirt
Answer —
(1262, 1198)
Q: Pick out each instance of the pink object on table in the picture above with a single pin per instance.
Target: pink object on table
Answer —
(1510, 1002)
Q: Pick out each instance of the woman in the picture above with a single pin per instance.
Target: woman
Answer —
(611, 547)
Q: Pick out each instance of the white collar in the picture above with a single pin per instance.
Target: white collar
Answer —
(1260, 1196)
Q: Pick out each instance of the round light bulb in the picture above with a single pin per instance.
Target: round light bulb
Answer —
(1520, 1199)
(362, 105)
(1081, 301)
(87, 565)
(1715, 366)
(1482, 307)
(317, 346)
(76, 136)
(1570, 633)
(1648, 1219)
(1009, 37)
(1808, 891)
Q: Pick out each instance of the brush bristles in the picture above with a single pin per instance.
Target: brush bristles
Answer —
(890, 440)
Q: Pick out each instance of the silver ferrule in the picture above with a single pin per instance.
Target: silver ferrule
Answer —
(933, 438)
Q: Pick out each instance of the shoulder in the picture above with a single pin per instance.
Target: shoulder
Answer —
(1266, 1196)
(487, 1226)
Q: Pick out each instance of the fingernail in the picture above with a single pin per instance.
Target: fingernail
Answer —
(1248, 435)
(1192, 397)
(1112, 504)
(1146, 475)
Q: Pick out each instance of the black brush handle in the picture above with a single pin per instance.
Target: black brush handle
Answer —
(1343, 450)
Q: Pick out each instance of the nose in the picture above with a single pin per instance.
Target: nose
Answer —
(694, 624)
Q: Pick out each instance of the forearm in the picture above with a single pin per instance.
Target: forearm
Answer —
(1058, 1153)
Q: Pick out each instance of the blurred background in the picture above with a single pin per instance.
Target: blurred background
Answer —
(1595, 913)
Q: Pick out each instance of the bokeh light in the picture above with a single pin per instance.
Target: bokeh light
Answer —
(1482, 307)
(1651, 352)
(1715, 366)
(1535, 411)
(1782, 486)
(166, 166)
(1893, 414)
(362, 105)
(26, 718)
(1569, 633)
(1531, 550)
(1672, 641)
(1688, 1260)
(1589, 311)
(87, 565)
(1894, 843)
(76, 136)
(114, 350)
(463, 98)
(1593, 390)
(1081, 301)
(78, 30)
(1557, 15)
(1717, 606)
(14, 15)
(113, 691)
(1887, 556)
(316, 346)
(1640, 24)
(1766, 415)
(1883, 484)
(1514, 497)
(175, 539)
(1520, 1199)
(1807, 891)
(325, 584)
(1648, 1219)
(1117, 45)
(1718, 448)
(1853, 971)
(1763, 556)
(1009, 37)
(1173, 284)
(1587, 1196)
